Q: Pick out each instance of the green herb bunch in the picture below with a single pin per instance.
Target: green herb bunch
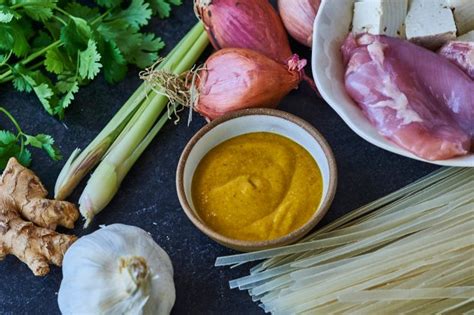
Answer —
(15, 145)
(52, 47)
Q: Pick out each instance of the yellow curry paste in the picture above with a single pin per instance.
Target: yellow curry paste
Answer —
(257, 186)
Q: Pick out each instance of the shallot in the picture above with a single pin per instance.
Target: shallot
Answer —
(298, 17)
(252, 24)
(231, 79)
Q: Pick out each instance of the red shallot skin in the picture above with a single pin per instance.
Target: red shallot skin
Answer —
(390, 81)
(252, 24)
(298, 17)
(461, 54)
(235, 78)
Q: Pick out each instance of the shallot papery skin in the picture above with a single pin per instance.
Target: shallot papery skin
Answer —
(298, 17)
(414, 97)
(252, 24)
(461, 54)
(236, 78)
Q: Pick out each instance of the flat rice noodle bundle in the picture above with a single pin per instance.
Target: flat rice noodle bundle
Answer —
(414, 97)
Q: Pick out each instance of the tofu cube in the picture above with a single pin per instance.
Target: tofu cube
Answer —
(380, 17)
(430, 23)
(463, 15)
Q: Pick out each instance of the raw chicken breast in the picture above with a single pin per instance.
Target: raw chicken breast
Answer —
(461, 54)
(414, 97)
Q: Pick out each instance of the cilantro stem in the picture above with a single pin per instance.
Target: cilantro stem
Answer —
(33, 67)
(41, 52)
(4, 62)
(99, 18)
(62, 11)
(31, 57)
(57, 18)
(12, 119)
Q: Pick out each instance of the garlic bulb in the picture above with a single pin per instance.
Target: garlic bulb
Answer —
(118, 269)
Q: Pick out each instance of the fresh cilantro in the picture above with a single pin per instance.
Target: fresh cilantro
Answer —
(57, 61)
(115, 65)
(13, 38)
(109, 3)
(38, 10)
(89, 61)
(145, 54)
(53, 47)
(82, 11)
(72, 88)
(42, 39)
(75, 35)
(136, 15)
(162, 8)
(7, 14)
(45, 142)
(12, 145)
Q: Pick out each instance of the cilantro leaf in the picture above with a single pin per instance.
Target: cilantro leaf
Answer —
(12, 37)
(46, 143)
(38, 10)
(136, 15)
(23, 157)
(9, 147)
(115, 65)
(75, 35)
(41, 85)
(7, 14)
(145, 53)
(57, 61)
(82, 11)
(109, 3)
(42, 39)
(89, 61)
(12, 145)
(137, 48)
(68, 87)
(162, 7)
(6, 139)
(20, 84)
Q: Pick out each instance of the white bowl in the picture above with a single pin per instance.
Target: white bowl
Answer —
(331, 27)
(248, 121)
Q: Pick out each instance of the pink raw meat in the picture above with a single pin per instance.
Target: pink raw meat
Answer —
(413, 96)
(461, 54)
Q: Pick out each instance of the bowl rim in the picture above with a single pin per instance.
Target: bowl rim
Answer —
(383, 143)
(245, 245)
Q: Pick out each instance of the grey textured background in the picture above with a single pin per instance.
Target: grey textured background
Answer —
(148, 197)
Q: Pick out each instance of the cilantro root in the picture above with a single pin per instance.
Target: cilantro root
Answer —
(73, 44)
(12, 145)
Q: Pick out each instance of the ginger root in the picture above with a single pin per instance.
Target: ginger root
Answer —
(28, 220)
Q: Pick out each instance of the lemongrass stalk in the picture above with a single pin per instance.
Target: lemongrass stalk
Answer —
(106, 179)
(80, 163)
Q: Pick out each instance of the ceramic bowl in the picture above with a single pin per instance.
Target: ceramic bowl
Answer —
(331, 27)
(248, 121)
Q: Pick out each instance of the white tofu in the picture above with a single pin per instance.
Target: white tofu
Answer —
(468, 37)
(463, 15)
(430, 23)
(380, 17)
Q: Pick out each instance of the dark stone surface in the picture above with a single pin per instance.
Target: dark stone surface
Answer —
(148, 198)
